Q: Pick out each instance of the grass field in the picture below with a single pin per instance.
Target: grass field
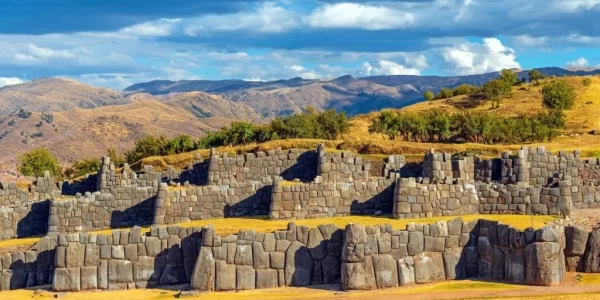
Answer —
(464, 289)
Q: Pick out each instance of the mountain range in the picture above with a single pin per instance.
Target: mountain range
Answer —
(77, 121)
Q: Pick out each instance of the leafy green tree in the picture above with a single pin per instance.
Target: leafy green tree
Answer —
(534, 75)
(239, 133)
(82, 167)
(465, 89)
(428, 95)
(558, 95)
(182, 143)
(332, 124)
(146, 147)
(116, 158)
(35, 162)
(496, 89)
(509, 77)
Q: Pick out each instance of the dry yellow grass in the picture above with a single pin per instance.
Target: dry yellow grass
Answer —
(526, 100)
(262, 224)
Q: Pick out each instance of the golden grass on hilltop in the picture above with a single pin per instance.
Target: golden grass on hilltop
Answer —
(526, 100)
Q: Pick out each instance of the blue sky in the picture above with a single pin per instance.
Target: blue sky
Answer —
(115, 43)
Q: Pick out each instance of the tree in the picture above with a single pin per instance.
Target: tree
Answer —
(35, 162)
(239, 133)
(534, 75)
(496, 89)
(558, 95)
(428, 95)
(509, 77)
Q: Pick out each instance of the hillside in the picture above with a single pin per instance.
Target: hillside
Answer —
(526, 100)
(204, 105)
(352, 95)
(55, 94)
(87, 133)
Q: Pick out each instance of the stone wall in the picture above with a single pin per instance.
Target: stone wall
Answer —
(341, 167)
(331, 199)
(30, 268)
(376, 257)
(25, 212)
(126, 259)
(298, 256)
(262, 166)
(420, 199)
(123, 207)
(176, 205)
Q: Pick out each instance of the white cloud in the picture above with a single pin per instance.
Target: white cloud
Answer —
(161, 27)
(474, 58)
(580, 62)
(353, 15)
(385, 67)
(267, 18)
(526, 40)
(4, 81)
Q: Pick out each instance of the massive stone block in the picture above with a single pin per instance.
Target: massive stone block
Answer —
(429, 267)
(298, 265)
(203, 277)
(545, 264)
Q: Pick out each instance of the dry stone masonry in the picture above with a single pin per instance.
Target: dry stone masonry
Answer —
(300, 184)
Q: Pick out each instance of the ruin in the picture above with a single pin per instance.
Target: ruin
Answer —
(299, 184)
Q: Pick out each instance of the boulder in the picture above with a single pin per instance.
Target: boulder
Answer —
(455, 264)
(429, 267)
(544, 264)
(266, 278)
(514, 266)
(66, 279)
(386, 271)
(576, 240)
(358, 276)
(89, 278)
(225, 276)
(245, 278)
(298, 265)
(406, 271)
(591, 263)
(203, 277)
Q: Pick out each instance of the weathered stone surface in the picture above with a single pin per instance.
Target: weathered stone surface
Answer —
(298, 265)
(429, 267)
(243, 255)
(576, 239)
(455, 226)
(172, 274)
(406, 271)
(120, 271)
(75, 254)
(415, 243)
(498, 265)
(316, 244)
(66, 279)
(103, 274)
(386, 271)
(546, 234)
(266, 278)
(455, 264)
(89, 278)
(144, 270)
(260, 256)
(245, 278)
(225, 276)
(358, 276)
(515, 266)
(203, 277)
(331, 269)
(545, 266)
(591, 262)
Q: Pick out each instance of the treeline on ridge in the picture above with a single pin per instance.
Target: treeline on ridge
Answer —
(472, 126)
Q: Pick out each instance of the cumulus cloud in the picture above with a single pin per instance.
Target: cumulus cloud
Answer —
(475, 58)
(353, 15)
(267, 18)
(580, 62)
(4, 81)
(385, 67)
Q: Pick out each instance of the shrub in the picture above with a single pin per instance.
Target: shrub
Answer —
(558, 95)
(586, 81)
(496, 89)
(116, 158)
(428, 95)
(11, 123)
(83, 167)
(511, 78)
(23, 114)
(35, 162)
